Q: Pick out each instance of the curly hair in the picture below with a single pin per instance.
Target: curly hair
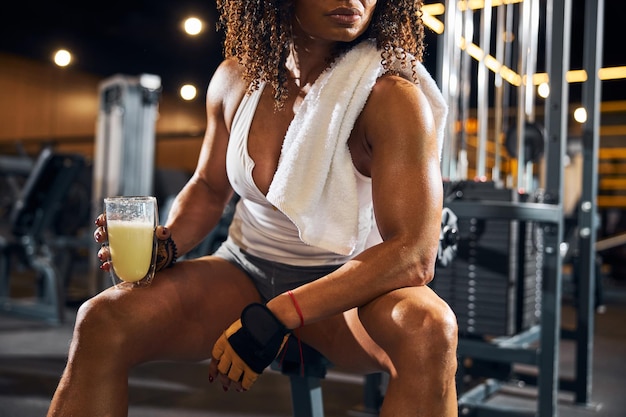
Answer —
(258, 35)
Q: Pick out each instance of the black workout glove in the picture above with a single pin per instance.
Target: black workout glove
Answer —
(250, 344)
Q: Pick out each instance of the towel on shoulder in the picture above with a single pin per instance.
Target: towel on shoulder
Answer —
(314, 184)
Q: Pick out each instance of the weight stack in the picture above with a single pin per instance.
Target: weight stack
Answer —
(494, 283)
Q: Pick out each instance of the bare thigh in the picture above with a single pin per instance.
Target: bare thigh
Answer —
(179, 316)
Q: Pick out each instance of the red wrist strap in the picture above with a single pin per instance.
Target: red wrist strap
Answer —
(297, 306)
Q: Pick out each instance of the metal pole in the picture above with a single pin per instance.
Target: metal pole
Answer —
(449, 88)
(592, 60)
(483, 90)
(508, 60)
(465, 87)
(501, 39)
(558, 57)
(523, 35)
(531, 61)
(531, 69)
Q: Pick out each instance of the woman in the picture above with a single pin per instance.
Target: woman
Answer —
(320, 120)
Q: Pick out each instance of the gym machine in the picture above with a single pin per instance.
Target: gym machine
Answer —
(508, 292)
(35, 237)
(125, 145)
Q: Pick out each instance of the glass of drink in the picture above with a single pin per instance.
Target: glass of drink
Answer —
(130, 223)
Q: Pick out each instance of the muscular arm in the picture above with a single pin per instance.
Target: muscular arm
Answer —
(398, 135)
(199, 205)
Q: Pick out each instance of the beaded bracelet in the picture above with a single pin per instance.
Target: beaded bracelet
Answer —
(167, 253)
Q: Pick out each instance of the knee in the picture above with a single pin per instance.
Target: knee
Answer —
(97, 326)
(441, 326)
(420, 327)
(433, 324)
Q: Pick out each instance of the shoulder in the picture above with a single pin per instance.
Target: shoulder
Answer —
(226, 89)
(397, 89)
(396, 102)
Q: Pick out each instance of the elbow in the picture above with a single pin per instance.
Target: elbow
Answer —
(412, 259)
(421, 269)
(421, 275)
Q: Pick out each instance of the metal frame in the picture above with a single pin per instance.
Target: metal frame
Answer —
(306, 396)
(592, 60)
(520, 348)
(539, 346)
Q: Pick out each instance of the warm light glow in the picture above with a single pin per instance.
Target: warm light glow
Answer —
(572, 76)
(193, 26)
(580, 115)
(492, 63)
(511, 76)
(475, 51)
(435, 24)
(62, 58)
(612, 73)
(188, 92)
(434, 9)
(479, 4)
(543, 90)
(540, 78)
(576, 76)
(580, 76)
(429, 11)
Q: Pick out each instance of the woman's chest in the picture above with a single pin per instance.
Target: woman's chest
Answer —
(267, 133)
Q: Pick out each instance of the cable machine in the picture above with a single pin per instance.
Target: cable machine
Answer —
(508, 298)
(125, 144)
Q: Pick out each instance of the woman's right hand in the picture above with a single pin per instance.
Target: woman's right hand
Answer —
(100, 236)
(166, 255)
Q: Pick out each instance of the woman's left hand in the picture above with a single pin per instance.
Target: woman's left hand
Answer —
(247, 347)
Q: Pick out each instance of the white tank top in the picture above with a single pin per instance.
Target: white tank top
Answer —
(257, 226)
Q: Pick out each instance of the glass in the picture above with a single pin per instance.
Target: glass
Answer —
(130, 223)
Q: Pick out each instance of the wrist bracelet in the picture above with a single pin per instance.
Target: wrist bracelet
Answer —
(167, 253)
(297, 306)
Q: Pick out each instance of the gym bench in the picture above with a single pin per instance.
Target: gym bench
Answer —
(305, 379)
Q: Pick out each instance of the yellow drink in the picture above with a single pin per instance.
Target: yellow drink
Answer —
(130, 244)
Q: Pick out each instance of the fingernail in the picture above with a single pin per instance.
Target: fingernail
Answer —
(210, 378)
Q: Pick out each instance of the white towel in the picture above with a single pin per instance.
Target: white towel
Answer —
(314, 184)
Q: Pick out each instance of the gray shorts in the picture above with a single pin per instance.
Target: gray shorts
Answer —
(271, 278)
